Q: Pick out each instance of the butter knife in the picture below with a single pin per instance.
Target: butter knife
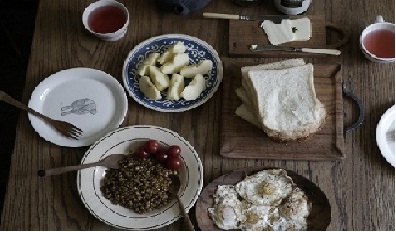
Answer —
(273, 18)
(258, 48)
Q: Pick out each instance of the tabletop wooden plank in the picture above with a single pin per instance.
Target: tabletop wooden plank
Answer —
(360, 188)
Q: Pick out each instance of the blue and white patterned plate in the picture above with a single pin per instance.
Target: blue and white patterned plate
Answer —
(197, 50)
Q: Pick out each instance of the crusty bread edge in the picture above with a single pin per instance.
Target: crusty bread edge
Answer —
(298, 135)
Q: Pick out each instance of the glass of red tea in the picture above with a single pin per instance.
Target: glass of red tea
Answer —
(106, 19)
(377, 41)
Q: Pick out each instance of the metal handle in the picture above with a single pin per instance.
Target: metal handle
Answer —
(342, 33)
(61, 170)
(186, 223)
(359, 103)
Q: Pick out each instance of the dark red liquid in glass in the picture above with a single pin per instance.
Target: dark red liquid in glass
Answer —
(107, 19)
(381, 43)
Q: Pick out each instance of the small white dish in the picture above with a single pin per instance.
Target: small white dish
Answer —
(292, 7)
(108, 19)
(126, 140)
(385, 126)
(197, 50)
(90, 99)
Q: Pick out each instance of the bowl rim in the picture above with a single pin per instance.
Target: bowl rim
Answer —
(101, 3)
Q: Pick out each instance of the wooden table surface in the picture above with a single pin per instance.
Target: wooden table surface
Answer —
(360, 188)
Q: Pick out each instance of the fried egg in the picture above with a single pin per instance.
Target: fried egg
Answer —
(267, 187)
(259, 217)
(267, 200)
(295, 206)
(227, 209)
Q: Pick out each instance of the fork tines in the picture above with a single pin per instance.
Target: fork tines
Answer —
(75, 133)
(67, 129)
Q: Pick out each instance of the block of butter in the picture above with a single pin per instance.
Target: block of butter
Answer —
(288, 30)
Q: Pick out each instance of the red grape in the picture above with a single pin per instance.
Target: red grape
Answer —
(173, 151)
(152, 146)
(173, 163)
(142, 153)
(161, 156)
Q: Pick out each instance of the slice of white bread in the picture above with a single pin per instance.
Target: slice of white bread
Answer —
(244, 91)
(285, 102)
(245, 112)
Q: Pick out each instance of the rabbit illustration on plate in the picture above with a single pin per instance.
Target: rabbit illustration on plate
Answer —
(79, 107)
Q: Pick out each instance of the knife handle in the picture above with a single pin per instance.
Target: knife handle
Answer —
(322, 51)
(219, 16)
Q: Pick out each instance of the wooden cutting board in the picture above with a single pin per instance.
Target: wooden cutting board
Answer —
(240, 139)
(244, 33)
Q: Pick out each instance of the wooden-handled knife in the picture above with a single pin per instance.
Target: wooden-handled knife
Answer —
(273, 18)
(258, 48)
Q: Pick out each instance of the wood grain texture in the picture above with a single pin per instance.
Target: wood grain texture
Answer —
(240, 139)
(360, 188)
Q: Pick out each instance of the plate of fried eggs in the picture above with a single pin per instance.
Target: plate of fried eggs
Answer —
(262, 199)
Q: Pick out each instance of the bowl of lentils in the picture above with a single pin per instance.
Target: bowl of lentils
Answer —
(137, 195)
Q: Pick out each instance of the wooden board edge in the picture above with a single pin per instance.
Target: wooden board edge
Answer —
(340, 139)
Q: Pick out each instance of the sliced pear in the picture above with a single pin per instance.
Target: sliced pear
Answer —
(176, 87)
(179, 47)
(160, 80)
(168, 55)
(165, 57)
(179, 61)
(148, 88)
(202, 67)
(150, 60)
(194, 88)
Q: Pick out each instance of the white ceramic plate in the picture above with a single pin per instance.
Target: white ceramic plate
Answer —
(387, 125)
(90, 99)
(197, 50)
(126, 140)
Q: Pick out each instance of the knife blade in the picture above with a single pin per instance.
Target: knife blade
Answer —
(273, 18)
(261, 47)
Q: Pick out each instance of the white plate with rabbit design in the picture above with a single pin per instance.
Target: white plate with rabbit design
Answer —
(88, 98)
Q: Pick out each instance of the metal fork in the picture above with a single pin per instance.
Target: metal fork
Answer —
(65, 128)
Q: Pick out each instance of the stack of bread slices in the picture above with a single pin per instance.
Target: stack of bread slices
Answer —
(280, 99)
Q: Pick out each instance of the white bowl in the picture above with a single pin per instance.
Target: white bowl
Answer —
(111, 36)
(126, 140)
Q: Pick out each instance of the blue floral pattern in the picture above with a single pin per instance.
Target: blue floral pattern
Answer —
(197, 50)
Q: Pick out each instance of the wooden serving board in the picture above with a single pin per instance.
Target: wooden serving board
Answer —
(318, 219)
(240, 139)
(243, 33)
